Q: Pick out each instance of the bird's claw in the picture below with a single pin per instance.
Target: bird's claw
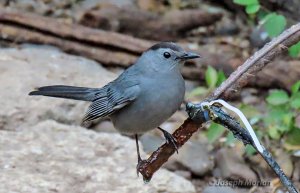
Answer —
(170, 139)
(139, 164)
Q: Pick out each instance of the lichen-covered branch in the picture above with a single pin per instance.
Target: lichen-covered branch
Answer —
(241, 133)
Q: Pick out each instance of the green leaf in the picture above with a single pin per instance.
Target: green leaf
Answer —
(261, 15)
(251, 9)
(282, 128)
(275, 117)
(214, 132)
(211, 77)
(230, 139)
(274, 24)
(221, 77)
(245, 2)
(274, 133)
(293, 137)
(250, 150)
(296, 87)
(198, 91)
(287, 120)
(249, 110)
(277, 97)
(254, 120)
(295, 101)
(294, 50)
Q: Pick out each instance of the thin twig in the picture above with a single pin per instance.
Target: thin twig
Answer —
(238, 79)
(258, 61)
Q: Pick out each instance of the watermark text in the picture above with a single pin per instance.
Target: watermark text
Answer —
(238, 183)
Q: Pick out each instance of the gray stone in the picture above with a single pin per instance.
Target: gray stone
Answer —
(52, 157)
(296, 172)
(105, 126)
(285, 162)
(22, 70)
(195, 157)
(216, 189)
(151, 142)
(232, 165)
(184, 173)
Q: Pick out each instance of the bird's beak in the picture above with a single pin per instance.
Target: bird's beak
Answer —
(188, 56)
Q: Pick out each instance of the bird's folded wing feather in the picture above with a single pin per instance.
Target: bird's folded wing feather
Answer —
(113, 97)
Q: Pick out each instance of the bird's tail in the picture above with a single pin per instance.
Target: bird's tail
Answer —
(69, 92)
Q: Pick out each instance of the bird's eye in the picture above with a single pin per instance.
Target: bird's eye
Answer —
(167, 55)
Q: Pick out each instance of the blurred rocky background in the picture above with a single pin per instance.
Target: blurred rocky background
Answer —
(89, 43)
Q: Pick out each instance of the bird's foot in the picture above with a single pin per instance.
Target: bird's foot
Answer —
(138, 166)
(170, 139)
(140, 161)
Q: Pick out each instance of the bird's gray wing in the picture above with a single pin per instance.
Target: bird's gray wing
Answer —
(114, 96)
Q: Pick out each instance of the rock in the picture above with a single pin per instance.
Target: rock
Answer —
(259, 37)
(22, 70)
(296, 172)
(195, 157)
(105, 126)
(52, 157)
(184, 173)
(250, 96)
(179, 116)
(285, 162)
(227, 27)
(216, 189)
(232, 165)
(261, 167)
(170, 126)
(151, 142)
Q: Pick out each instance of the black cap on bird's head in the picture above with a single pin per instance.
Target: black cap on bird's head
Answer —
(169, 45)
(181, 53)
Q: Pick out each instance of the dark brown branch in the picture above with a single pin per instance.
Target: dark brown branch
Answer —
(148, 167)
(256, 63)
(21, 35)
(129, 20)
(74, 31)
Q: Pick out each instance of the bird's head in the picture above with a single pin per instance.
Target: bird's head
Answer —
(166, 56)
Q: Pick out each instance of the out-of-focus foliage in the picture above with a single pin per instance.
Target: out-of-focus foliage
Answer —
(282, 112)
(294, 51)
(279, 120)
(272, 22)
(214, 132)
(213, 78)
(251, 6)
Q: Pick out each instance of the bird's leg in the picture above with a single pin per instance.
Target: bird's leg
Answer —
(169, 138)
(138, 154)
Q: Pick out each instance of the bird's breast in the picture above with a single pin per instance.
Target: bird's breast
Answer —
(159, 98)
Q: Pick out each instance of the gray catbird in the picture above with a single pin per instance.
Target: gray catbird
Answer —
(141, 98)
